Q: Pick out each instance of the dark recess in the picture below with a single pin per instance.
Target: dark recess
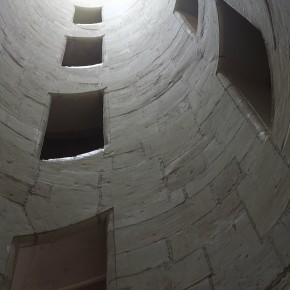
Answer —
(83, 51)
(189, 10)
(85, 15)
(244, 60)
(75, 125)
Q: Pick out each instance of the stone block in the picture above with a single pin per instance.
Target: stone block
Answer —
(280, 236)
(266, 190)
(184, 169)
(227, 180)
(204, 230)
(128, 159)
(240, 260)
(13, 189)
(203, 285)
(189, 270)
(166, 224)
(65, 206)
(142, 259)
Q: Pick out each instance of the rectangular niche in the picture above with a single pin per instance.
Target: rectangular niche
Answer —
(84, 15)
(188, 9)
(73, 257)
(244, 61)
(75, 125)
(82, 51)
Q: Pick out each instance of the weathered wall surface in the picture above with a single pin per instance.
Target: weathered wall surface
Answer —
(201, 201)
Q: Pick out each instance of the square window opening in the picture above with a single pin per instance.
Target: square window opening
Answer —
(83, 51)
(75, 125)
(244, 60)
(84, 15)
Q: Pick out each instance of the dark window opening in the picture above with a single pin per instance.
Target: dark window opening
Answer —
(75, 125)
(244, 60)
(85, 15)
(83, 51)
(189, 10)
(74, 257)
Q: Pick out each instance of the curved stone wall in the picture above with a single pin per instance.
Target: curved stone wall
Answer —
(200, 197)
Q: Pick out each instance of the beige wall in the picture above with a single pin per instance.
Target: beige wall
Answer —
(200, 197)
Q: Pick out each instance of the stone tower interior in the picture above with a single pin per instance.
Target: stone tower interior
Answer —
(144, 144)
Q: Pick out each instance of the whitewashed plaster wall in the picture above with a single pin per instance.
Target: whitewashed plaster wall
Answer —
(201, 201)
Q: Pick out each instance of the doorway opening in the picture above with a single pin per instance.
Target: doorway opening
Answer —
(82, 51)
(244, 60)
(75, 125)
